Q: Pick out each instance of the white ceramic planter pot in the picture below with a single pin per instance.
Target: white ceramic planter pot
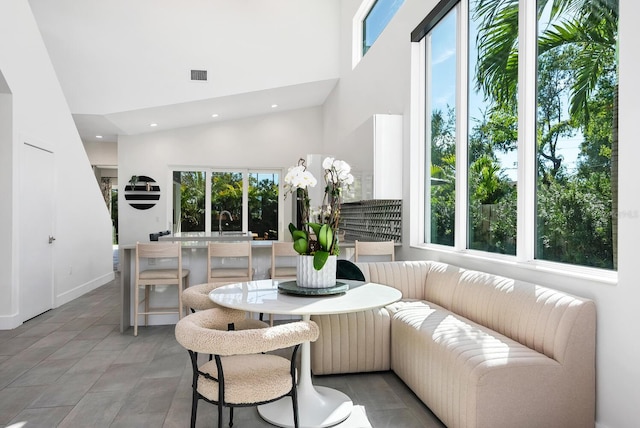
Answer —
(308, 277)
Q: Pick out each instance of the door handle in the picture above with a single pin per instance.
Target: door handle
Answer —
(51, 239)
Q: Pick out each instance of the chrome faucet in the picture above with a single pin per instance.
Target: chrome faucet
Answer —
(220, 220)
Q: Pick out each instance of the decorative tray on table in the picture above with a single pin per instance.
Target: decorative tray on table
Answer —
(291, 287)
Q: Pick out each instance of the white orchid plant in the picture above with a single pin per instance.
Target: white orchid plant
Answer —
(324, 241)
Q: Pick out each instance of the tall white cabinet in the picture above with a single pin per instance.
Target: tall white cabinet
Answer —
(374, 151)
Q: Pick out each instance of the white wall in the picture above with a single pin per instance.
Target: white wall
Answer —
(274, 141)
(82, 254)
(381, 84)
(102, 153)
(6, 185)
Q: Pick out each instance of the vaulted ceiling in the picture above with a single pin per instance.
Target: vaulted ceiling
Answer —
(125, 64)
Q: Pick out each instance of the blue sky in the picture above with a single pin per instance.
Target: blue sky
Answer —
(378, 18)
(443, 88)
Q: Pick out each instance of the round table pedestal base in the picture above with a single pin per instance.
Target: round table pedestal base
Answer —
(318, 407)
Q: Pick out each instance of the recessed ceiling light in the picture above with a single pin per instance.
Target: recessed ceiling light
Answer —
(214, 115)
(153, 124)
(98, 136)
(274, 105)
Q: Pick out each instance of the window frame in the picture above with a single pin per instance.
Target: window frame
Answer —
(357, 27)
(245, 193)
(526, 156)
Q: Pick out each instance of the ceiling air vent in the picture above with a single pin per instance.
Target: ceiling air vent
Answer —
(198, 74)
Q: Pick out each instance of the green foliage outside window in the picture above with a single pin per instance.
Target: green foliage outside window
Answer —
(226, 195)
(190, 214)
(263, 205)
(577, 85)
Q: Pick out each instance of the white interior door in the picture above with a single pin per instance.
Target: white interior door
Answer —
(36, 231)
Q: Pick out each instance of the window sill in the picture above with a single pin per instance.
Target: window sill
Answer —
(536, 271)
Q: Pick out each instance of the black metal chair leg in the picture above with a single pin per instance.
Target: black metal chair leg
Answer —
(220, 409)
(294, 398)
(230, 417)
(194, 409)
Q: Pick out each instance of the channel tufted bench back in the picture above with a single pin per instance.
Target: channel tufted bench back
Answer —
(408, 277)
(537, 317)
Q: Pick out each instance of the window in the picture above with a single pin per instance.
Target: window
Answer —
(521, 167)
(369, 22)
(441, 53)
(493, 133)
(227, 201)
(188, 201)
(577, 83)
(376, 20)
(263, 204)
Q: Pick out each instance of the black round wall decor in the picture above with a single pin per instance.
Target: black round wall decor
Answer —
(142, 192)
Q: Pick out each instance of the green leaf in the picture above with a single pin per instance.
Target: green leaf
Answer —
(315, 227)
(319, 259)
(325, 237)
(301, 245)
(299, 234)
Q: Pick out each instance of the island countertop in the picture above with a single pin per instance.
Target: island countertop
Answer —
(208, 236)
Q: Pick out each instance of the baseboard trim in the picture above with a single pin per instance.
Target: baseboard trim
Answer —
(82, 289)
(9, 322)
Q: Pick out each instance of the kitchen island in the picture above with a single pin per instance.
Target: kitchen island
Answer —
(194, 258)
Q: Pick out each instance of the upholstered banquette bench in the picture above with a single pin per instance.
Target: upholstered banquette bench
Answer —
(480, 350)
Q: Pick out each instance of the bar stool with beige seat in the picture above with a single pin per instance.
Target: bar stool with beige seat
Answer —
(196, 298)
(229, 262)
(374, 248)
(281, 252)
(282, 265)
(167, 271)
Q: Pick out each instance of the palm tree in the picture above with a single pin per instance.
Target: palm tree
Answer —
(588, 26)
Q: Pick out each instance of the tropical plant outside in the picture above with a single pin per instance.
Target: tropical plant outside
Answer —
(263, 205)
(190, 217)
(576, 104)
(227, 195)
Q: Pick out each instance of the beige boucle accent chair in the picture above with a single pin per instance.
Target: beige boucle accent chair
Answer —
(197, 298)
(480, 350)
(242, 373)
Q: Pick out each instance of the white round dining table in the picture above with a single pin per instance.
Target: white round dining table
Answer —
(318, 406)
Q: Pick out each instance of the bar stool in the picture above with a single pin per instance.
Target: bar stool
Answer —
(224, 270)
(149, 278)
(280, 252)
